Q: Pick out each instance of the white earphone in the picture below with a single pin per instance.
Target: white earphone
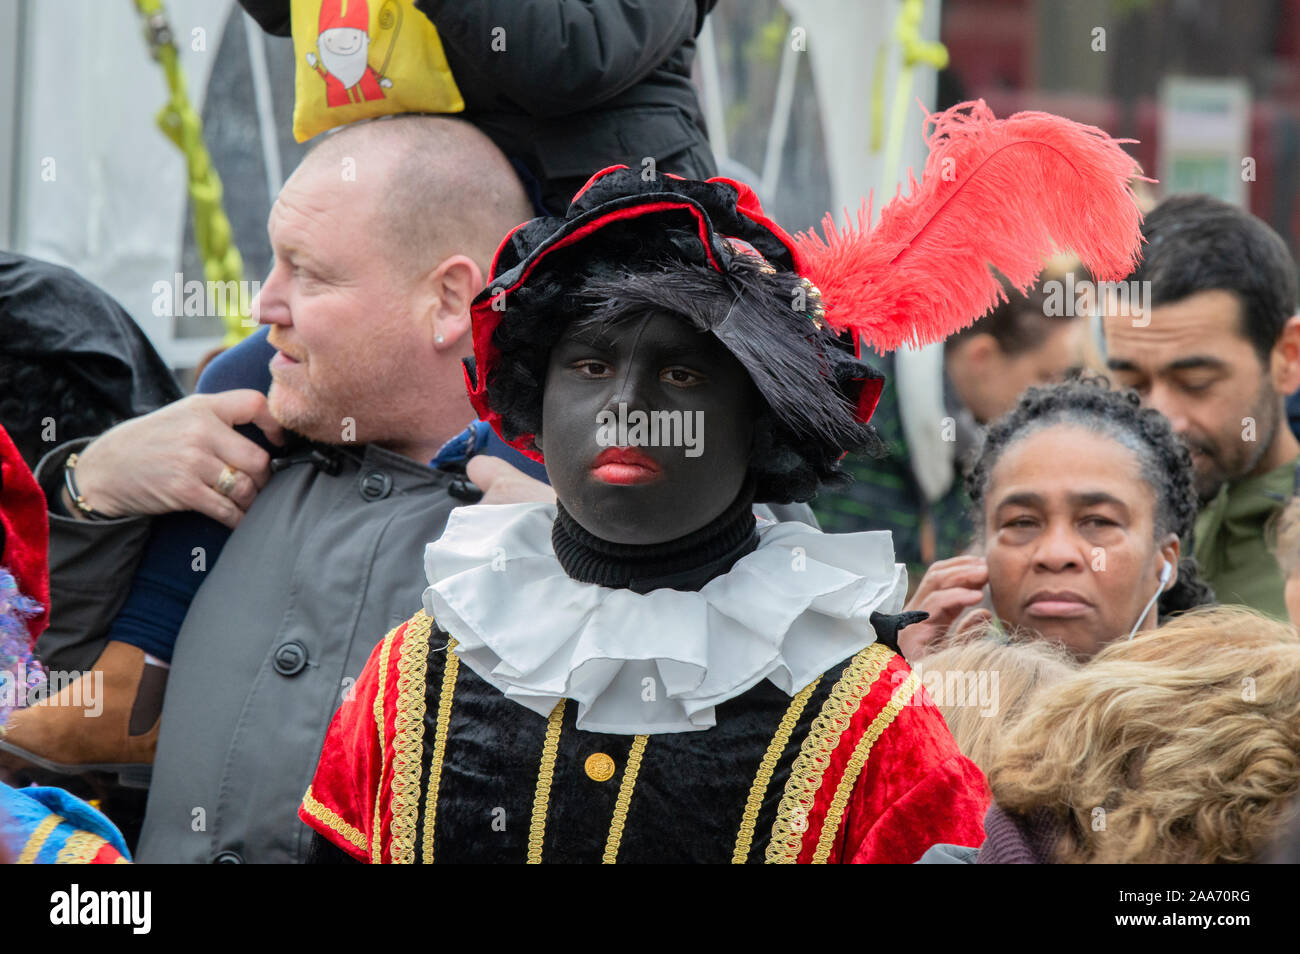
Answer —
(1165, 573)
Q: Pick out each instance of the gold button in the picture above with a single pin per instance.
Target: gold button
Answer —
(600, 767)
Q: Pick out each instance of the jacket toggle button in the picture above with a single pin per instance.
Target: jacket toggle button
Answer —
(290, 658)
(376, 485)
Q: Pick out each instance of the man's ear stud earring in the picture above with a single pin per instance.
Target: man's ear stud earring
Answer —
(438, 339)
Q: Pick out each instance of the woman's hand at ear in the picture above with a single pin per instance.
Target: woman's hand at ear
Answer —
(947, 590)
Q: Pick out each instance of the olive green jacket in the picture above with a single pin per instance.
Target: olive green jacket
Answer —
(1232, 542)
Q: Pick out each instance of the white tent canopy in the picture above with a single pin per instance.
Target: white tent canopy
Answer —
(95, 185)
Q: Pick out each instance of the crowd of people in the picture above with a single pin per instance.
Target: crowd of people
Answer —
(387, 588)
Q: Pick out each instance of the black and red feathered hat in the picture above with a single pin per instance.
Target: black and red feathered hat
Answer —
(797, 311)
(701, 248)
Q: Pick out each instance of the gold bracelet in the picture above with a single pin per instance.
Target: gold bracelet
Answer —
(70, 479)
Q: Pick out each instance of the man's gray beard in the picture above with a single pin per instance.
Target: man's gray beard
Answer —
(349, 69)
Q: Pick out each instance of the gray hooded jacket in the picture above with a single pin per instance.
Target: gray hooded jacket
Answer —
(320, 568)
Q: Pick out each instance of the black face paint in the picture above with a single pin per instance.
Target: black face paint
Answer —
(647, 427)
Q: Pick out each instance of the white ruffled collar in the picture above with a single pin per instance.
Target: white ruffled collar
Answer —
(660, 661)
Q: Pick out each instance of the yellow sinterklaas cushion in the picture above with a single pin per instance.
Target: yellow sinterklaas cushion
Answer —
(362, 58)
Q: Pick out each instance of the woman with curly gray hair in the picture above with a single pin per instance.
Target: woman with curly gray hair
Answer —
(1083, 504)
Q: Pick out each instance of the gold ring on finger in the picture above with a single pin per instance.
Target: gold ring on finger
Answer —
(225, 484)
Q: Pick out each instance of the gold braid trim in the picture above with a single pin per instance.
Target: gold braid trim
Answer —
(624, 800)
(835, 813)
(330, 819)
(38, 839)
(542, 798)
(815, 754)
(377, 841)
(80, 847)
(408, 738)
(745, 837)
(451, 667)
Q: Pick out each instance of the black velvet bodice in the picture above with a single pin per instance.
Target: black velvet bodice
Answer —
(686, 807)
(690, 792)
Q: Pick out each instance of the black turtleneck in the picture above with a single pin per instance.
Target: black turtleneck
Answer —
(686, 563)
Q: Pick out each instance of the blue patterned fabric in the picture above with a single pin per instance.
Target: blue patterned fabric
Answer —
(23, 810)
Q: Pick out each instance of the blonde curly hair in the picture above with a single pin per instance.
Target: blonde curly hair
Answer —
(1017, 668)
(1180, 746)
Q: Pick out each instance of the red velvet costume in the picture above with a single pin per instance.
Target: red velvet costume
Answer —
(909, 787)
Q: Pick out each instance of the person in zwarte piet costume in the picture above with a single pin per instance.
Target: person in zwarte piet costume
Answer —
(642, 672)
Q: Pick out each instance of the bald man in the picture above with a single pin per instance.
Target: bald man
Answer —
(381, 239)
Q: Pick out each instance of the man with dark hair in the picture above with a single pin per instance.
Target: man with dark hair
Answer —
(1215, 347)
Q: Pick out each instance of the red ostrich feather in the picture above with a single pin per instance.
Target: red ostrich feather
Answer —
(999, 194)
